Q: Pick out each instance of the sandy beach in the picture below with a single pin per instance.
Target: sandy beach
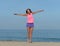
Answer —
(17, 43)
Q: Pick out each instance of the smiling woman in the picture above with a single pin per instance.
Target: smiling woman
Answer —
(30, 22)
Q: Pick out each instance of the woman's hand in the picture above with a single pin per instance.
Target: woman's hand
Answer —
(15, 14)
(41, 10)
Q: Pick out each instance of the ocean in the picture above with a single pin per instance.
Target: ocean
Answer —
(38, 35)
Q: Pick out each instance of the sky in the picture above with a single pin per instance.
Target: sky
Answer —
(49, 19)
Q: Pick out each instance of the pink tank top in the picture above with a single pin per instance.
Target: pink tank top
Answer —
(30, 18)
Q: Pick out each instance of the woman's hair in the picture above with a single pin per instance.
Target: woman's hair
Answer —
(29, 10)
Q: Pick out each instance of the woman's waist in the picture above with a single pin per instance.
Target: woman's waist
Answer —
(30, 21)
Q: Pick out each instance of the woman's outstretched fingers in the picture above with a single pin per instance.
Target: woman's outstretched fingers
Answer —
(15, 14)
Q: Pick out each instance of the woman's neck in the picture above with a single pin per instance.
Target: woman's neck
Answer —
(29, 13)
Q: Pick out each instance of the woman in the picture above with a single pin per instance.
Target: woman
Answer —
(30, 22)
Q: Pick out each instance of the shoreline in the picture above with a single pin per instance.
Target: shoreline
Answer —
(22, 43)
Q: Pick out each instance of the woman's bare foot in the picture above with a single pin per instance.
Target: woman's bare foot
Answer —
(29, 41)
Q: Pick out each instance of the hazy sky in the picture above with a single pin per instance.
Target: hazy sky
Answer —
(49, 19)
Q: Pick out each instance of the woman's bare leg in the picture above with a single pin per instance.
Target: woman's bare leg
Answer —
(29, 35)
(28, 30)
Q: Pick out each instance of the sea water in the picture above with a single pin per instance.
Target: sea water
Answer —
(37, 36)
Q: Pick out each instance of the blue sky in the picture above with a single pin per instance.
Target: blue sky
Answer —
(49, 19)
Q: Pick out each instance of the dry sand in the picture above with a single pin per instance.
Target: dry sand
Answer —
(17, 43)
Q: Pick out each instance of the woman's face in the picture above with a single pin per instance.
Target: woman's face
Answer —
(28, 11)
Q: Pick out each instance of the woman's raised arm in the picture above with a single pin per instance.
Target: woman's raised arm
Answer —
(37, 11)
(20, 14)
